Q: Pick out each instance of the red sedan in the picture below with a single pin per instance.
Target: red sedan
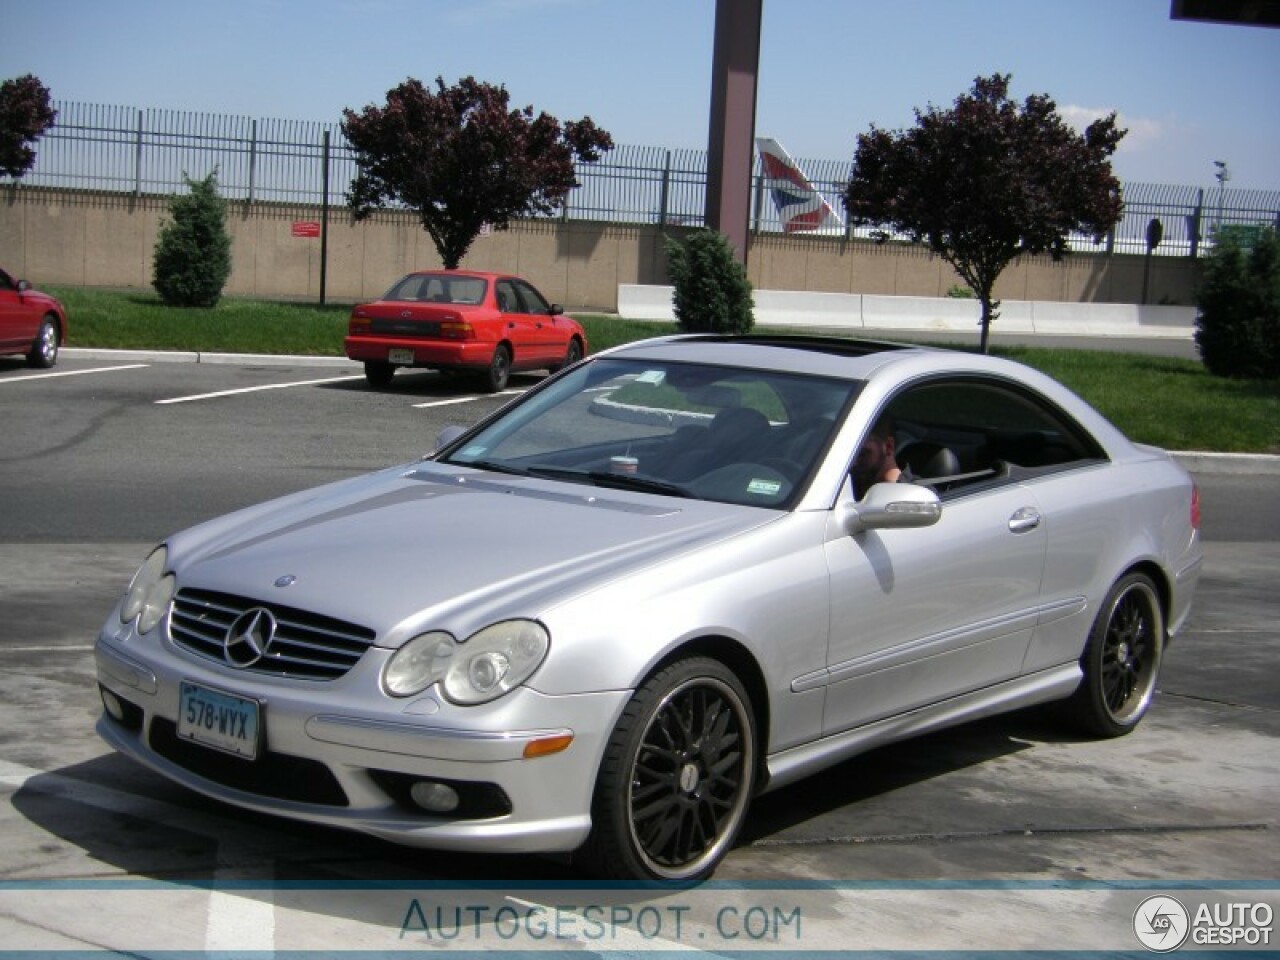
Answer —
(487, 323)
(31, 322)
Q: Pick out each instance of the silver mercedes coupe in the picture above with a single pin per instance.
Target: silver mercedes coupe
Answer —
(603, 619)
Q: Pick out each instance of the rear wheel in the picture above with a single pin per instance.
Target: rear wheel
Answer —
(499, 369)
(1122, 659)
(44, 349)
(379, 372)
(677, 777)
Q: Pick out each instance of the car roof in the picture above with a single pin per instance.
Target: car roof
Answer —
(478, 274)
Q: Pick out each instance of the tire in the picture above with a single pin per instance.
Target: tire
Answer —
(499, 370)
(571, 356)
(676, 779)
(1122, 659)
(379, 373)
(44, 349)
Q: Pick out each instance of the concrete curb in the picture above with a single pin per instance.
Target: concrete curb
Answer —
(1239, 464)
(1235, 464)
(184, 356)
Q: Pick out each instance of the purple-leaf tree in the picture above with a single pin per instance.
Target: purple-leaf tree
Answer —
(25, 114)
(986, 181)
(462, 158)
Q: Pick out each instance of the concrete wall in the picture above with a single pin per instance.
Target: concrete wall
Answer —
(107, 240)
(853, 312)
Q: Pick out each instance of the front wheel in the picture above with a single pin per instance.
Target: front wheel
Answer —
(677, 777)
(1121, 661)
(44, 349)
(571, 356)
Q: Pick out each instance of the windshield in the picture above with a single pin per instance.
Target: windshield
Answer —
(730, 434)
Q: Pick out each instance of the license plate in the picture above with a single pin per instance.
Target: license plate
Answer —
(219, 720)
(400, 356)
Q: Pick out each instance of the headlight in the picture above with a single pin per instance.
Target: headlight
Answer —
(490, 663)
(150, 592)
(495, 660)
(418, 664)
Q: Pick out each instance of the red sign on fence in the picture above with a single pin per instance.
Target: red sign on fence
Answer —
(306, 228)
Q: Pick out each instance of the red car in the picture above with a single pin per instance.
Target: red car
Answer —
(487, 323)
(31, 322)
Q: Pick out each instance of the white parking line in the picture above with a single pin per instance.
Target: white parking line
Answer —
(78, 648)
(466, 399)
(265, 386)
(74, 373)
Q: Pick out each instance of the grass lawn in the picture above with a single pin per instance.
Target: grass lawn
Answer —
(1171, 403)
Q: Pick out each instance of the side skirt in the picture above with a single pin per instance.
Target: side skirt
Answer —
(798, 762)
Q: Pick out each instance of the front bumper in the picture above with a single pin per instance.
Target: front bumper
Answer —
(333, 754)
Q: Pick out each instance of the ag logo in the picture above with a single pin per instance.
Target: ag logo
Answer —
(1161, 924)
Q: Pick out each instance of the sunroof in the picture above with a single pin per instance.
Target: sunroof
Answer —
(837, 346)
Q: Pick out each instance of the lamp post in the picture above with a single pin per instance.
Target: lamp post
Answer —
(1222, 176)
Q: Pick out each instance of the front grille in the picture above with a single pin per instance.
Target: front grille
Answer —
(275, 775)
(305, 646)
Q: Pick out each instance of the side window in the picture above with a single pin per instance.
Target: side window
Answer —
(508, 302)
(532, 300)
(971, 431)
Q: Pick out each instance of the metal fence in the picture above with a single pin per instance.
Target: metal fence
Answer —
(148, 152)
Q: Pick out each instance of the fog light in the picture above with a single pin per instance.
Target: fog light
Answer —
(434, 797)
(113, 705)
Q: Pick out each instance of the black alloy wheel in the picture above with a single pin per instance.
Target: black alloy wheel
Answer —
(1122, 659)
(677, 778)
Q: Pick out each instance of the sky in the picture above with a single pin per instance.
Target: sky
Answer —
(1189, 94)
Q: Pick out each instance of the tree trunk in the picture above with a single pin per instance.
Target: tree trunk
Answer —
(990, 311)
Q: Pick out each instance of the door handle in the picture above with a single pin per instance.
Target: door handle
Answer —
(1028, 518)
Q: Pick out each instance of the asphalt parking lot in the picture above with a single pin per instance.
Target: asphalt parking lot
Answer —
(1004, 835)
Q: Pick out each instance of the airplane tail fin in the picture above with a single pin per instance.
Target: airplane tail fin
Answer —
(800, 206)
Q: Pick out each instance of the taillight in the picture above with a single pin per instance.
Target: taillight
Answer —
(358, 325)
(1195, 507)
(457, 330)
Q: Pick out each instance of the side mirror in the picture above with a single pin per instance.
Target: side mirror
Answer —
(448, 435)
(23, 285)
(556, 310)
(892, 506)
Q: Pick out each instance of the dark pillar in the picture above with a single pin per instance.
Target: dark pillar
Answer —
(730, 142)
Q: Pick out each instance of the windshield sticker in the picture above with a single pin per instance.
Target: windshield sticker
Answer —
(764, 488)
(475, 450)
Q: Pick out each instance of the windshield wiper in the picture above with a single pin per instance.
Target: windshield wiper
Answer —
(491, 465)
(600, 478)
(631, 481)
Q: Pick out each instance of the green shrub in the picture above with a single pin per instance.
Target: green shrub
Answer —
(1238, 321)
(193, 252)
(712, 293)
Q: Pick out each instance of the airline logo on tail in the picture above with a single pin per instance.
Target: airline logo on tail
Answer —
(800, 205)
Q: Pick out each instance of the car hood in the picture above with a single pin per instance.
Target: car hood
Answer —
(436, 547)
